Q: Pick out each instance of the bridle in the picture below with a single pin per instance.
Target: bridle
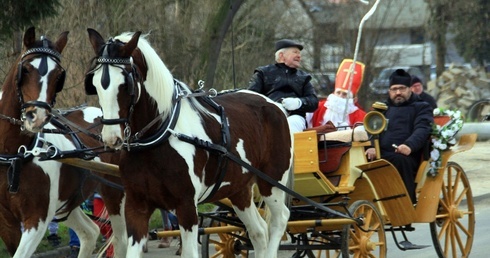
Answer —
(44, 52)
(130, 76)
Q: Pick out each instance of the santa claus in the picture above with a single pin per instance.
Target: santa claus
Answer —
(341, 106)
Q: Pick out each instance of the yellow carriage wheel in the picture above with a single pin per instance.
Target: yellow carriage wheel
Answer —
(223, 245)
(454, 228)
(367, 241)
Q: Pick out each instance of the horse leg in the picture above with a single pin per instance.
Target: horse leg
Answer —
(87, 231)
(137, 215)
(34, 228)
(119, 236)
(31, 237)
(253, 221)
(275, 200)
(10, 230)
(188, 224)
(114, 203)
(279, 216)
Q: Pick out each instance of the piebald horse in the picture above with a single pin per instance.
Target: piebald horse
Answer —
(32, 191)
(173, 143)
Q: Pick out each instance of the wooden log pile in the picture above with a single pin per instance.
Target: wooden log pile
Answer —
(459, 87)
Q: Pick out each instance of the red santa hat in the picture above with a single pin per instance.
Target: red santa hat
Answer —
(342, 79)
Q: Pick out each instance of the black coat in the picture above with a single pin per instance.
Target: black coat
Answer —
(278, 81)
(429, 99)
(409, 124)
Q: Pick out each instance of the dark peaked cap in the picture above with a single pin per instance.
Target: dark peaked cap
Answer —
(285, 43)
(400, 77)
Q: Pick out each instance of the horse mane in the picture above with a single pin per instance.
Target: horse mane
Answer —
(159, 81)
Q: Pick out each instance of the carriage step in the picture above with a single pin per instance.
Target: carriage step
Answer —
(407, 245)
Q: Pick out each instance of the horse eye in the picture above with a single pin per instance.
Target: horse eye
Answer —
(21, 73)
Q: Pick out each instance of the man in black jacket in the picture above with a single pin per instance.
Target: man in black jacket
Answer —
(283, 82)
(418, 88)
(409, 127)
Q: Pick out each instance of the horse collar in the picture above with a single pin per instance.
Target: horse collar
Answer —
(164, 131)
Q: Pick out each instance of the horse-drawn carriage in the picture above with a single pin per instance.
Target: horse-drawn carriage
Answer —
(339, 203)
(332, 170)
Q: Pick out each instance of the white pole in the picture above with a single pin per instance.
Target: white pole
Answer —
(356, 50)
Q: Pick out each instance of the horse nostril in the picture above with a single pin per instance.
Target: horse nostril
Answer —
(119, 142)
(31, 116)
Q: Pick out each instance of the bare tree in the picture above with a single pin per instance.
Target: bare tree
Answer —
(440, 17)
(472, 31)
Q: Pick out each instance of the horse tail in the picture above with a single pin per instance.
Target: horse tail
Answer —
(105, 247)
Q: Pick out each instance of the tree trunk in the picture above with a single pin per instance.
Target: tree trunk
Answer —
(217, 27)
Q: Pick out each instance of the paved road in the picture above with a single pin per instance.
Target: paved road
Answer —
(474, 162)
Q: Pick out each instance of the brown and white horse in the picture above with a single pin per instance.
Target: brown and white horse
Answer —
(146, 114)
(33, 192)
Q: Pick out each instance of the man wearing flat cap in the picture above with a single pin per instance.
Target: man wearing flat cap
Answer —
(283, 82)
(409, 127)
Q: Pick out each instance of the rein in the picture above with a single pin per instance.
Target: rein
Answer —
(70, 124)
(11, 120)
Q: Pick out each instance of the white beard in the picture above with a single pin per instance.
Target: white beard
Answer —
(336, 108)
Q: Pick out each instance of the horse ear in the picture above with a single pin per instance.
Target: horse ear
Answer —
(95, 39)
(129, 47)
(61, 42)
(30, 37)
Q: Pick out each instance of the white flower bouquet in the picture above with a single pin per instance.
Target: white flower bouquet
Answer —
(443, 136)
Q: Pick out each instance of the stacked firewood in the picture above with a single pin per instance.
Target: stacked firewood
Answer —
(459, 87)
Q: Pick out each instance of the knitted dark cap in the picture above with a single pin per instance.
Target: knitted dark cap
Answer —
(285, 43)
(400, 77)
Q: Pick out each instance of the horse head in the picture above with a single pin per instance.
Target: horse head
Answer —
(39, 77)
(116, 79)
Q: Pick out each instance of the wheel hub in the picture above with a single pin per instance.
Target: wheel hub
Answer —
(454, 213)
(366, 246)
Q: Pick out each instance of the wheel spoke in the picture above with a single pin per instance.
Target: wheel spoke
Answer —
(449, 185)
(219, 253)
(453, 241)
(462, 195)
(463, 228)
(457, 179)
